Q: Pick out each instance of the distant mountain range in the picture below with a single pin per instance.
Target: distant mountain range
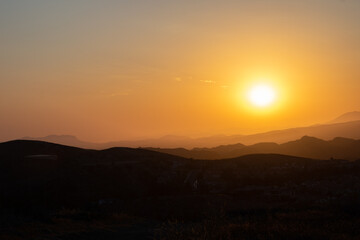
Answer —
(308, 147)
(346, 126)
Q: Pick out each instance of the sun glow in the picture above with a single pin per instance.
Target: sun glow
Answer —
(262, 95)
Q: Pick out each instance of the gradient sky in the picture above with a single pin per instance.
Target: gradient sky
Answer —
(111, 70)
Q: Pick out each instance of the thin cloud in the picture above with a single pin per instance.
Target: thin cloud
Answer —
(208, 81)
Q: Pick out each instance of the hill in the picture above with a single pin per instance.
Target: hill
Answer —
(53, 191)
(35, 172)
(25, 149)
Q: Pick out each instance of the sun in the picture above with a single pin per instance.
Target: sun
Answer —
(262, 95)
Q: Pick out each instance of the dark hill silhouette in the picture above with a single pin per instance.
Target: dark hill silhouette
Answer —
(36, 173)
(30, 147)
(310, 147)
(14, 152)
(19, 149)
(55, 174)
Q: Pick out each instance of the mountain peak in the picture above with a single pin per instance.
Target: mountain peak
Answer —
(309, 138)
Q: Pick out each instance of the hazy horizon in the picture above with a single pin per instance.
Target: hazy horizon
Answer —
(57, 136)
(115, 70)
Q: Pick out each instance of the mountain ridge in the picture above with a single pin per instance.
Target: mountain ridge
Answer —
(327, 131)
(308, 147)
(347, 117)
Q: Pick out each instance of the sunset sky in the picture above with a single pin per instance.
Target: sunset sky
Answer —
(113, 70)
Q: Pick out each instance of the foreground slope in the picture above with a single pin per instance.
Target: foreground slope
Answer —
(50, 191)
(54, 175)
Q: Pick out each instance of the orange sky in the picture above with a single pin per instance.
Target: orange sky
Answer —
(112, 70)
